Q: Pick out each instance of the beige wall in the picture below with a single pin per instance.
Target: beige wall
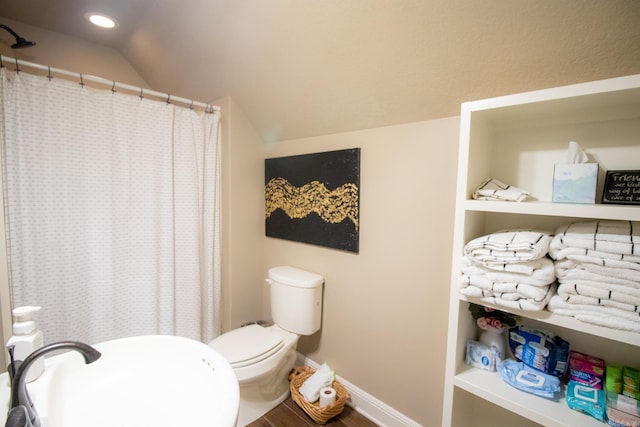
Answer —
(69, 53)
(385, 308)
(242, 218)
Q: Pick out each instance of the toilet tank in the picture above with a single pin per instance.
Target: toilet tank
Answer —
(296, 299)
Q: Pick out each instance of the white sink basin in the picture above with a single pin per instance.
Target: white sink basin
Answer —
(159, 381)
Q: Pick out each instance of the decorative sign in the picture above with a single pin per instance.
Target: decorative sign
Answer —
(314, 198)
(622, 187)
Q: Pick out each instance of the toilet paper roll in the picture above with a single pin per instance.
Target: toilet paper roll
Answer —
(327, 396)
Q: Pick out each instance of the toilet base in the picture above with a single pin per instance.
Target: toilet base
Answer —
(258, 398)
(252, 409)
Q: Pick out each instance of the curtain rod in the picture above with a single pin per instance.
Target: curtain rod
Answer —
(114, 85)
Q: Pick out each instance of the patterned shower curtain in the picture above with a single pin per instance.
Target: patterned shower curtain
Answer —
(111, 211)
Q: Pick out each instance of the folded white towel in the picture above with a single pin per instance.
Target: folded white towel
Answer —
(310, 388)
(618, 237)
(523, 304)
(605, 290)
(598, 272)
(566, 274)
(508, 246)
(585, 295)
(540, 272)
(559, 252)
(597, 315)
(492, 189)
(519, 290)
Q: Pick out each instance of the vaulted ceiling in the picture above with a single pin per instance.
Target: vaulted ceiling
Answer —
(303, 68)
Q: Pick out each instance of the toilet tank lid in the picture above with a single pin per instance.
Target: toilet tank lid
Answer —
(295, 277)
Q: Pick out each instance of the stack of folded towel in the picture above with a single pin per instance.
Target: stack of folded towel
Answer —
(510, 269)
(598, 269)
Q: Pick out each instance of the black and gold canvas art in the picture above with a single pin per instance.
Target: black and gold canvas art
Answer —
(314, 198)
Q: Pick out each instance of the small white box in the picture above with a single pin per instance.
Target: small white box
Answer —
(575, 183)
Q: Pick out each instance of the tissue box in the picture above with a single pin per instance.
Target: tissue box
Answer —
(575, 183)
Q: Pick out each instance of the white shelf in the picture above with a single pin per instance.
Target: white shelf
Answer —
(613, 212)
(572, 323)
(489, 386)
(518, 139)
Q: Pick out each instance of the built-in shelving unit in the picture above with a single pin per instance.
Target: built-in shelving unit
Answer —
(518, 139)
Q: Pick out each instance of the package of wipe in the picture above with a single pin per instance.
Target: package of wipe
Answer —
(524, 378)
(539, 349)
(310, 388)
(586, 399)
(480, 356)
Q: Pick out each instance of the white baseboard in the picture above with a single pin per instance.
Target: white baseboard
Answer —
(372, 408)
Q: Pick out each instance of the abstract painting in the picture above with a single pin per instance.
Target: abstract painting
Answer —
(314, 198)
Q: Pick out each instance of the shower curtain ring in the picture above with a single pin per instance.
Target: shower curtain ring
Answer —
(81, 81)
(1, 63)
(49, 76)
(141, 94)
(113, 88)
(169, 98)
(191, 106)
(17, 67)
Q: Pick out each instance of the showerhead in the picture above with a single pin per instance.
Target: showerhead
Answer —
(20, 43)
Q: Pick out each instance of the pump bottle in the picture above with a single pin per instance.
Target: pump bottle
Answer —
(26, 338)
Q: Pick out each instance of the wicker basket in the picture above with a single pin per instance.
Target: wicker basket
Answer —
(319, 415)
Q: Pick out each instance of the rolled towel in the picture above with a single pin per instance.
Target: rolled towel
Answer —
(310, 388)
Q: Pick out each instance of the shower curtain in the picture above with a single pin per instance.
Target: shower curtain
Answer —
(111, 210)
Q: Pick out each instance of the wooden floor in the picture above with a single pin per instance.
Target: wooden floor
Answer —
(289, 414)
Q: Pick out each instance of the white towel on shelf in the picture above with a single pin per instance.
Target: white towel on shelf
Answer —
(598, 272)
(523, 304)
(558, 253)
(584, 295)
(508, 246)
(597, 315)
(618, 237)
(519, 290)
(605, 290)
(574, 273)
(540, 272)
(492, 189)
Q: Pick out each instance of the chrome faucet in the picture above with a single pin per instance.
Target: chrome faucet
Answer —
(22, 413)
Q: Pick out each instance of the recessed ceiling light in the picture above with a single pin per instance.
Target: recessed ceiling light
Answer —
(101, 20)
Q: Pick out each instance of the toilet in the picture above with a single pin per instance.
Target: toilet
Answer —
(262, 357)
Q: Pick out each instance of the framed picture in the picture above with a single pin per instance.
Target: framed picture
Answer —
(314, 198)
(622, 187)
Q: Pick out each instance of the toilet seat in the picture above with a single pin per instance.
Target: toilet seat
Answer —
(248, 345)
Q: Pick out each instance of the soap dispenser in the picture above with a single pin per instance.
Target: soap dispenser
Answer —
(26, 338)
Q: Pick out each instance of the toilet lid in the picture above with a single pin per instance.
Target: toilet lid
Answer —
(247, 345)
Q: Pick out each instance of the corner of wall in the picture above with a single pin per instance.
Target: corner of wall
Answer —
(243, 218)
